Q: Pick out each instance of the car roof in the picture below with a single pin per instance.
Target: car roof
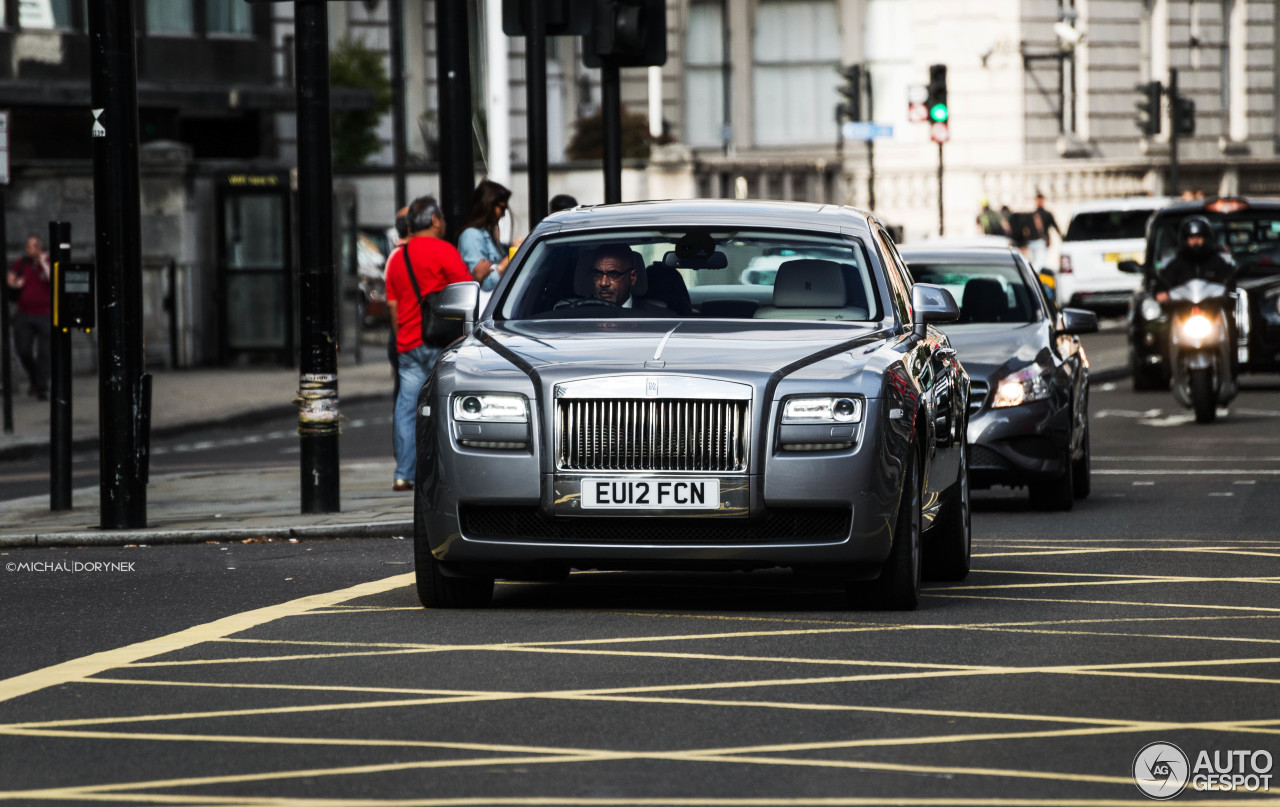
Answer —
(1123, 203)
(1205, 206)
(726, 213)
(957, 254)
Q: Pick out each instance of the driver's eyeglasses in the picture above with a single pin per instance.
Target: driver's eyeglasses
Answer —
(598, 274)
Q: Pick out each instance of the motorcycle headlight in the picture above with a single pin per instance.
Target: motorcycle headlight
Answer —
(488, 407)
(1024, 386)
(821, 409)
(1196, 327)
(1151, 309)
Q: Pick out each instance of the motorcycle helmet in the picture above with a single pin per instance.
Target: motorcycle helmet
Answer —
(1196, 226)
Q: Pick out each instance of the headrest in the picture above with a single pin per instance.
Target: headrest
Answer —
(584, 287)
(809, 283)
(984, 300)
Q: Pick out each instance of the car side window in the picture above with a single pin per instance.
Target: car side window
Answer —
(894, 271)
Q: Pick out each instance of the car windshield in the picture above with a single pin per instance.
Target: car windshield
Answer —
(1252, 237)
(986, 292)
(1108, 224)
(701, 273)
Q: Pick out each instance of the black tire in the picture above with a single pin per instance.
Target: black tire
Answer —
(950, 542)
(435, 590)
(1080, 469)
(897, 588)
(1204, 399)
(1056, 494)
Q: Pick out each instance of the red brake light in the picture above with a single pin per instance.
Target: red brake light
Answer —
(1228, 205)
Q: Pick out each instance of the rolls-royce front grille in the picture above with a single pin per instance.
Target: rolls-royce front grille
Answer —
(977, 395)
(798, 525)
(651, 435)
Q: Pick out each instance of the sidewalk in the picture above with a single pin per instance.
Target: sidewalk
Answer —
(231, 505)
(252, 504)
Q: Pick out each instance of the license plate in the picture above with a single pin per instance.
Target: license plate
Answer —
(615, 493)
(1116, 257)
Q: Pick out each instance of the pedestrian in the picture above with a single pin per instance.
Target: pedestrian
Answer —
(1019, 228)
(435, 264)
(479, 243)
(1042, 221)
(32, 329)
(561, 201)
(990, 221)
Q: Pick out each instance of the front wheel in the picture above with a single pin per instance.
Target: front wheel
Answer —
(898, 586)
(950, 542)
(1204, 398)
(436, 590)
(1080, 469)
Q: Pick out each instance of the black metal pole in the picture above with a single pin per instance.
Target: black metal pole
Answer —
(1173, 130)
(171, 306)
(317, 304)
(941, 227)
(871, 145)
(396, 22)
(60, 436)
(6, 365)
(611, 109)
(353, 273)
(457, 162)
(535, 57)
(122, 384)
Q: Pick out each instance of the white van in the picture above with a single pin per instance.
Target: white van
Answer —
(1100, 235)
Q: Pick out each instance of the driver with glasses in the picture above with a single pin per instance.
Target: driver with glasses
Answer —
(612, 277)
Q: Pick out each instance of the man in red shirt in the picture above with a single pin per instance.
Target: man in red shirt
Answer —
(32, 329)
(436, 264)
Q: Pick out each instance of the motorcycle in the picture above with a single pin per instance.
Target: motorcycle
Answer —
(1200, 346)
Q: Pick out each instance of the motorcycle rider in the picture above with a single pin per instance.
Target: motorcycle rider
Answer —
(1197, 257)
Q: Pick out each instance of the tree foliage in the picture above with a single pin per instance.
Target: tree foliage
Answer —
(355, 132)
(588, 137)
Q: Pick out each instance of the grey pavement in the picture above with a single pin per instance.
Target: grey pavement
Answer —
(257, 504)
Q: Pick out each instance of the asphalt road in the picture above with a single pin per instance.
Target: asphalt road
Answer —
(262, 673)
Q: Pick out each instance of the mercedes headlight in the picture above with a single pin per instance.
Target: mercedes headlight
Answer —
(488, 407)
(821, 409)
(1024, 386)
(1151, 309)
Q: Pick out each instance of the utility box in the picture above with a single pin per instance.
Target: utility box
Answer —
(73, 296)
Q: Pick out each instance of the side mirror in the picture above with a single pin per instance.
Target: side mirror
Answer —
(1130, 267)
(1078, 321)
(458, 301)
(932, 304)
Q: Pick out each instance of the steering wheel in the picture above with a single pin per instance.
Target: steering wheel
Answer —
(593, 302)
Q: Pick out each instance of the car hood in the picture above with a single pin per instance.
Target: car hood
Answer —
(751, 352)
(993, 351)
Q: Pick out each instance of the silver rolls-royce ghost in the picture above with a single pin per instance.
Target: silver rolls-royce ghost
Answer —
(696, 385)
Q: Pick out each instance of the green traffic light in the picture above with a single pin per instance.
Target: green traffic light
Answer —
(938, 113)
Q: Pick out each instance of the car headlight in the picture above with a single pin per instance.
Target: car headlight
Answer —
(1151, 309)
(1024, 386)
(490, 407)
(820, 410)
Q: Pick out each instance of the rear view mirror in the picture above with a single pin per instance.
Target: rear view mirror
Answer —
(1078, 321)
(458, 301)
(932, 304)
(714, 260)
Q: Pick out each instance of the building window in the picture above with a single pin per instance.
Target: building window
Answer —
(45, 14)
(794, 80)
(170, 17)
(704, 113)
(228, 17)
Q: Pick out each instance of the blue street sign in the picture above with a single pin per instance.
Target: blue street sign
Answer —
(865, 130)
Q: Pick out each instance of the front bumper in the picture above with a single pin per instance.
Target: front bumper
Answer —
(1018, 444)
(498, 513)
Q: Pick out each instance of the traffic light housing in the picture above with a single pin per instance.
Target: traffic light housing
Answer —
(1148, 117)
(1184, 115)
(936, 103)
(627, 33)
(851, 89)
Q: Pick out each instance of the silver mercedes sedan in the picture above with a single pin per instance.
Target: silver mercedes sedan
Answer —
(639, 394)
